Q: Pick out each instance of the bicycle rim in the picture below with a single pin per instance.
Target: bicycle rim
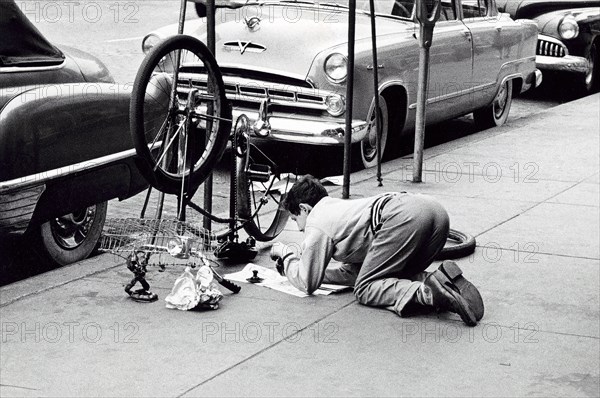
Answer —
(179, 132)
(259, 201)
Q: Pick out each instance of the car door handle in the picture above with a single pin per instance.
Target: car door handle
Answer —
(499, 28)
(467, 34)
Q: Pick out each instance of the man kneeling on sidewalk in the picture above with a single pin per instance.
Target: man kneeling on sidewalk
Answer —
(384, 243)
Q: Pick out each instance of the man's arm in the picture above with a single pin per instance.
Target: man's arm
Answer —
(342, 274)
(307, 271)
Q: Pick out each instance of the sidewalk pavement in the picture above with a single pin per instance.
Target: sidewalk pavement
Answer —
(528, 191)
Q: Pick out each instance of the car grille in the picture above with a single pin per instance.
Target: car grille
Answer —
(249, 93)
(550, 48)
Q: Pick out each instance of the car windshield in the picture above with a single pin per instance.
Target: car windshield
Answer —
(22, 44)
(381, 6)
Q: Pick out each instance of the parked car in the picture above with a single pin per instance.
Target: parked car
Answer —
(289, 58)
(569, 37)
(65, 147)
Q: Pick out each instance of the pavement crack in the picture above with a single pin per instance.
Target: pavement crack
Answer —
(2, 305)
(534, 206)
(20, 387)
(259, 352)
(538, 252)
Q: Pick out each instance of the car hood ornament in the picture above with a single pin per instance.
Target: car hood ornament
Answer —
(252, 23)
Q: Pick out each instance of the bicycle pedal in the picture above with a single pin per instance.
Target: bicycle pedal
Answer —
(259, 172)
(235, 252)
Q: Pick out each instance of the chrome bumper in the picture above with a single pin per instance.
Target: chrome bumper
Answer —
(306, 131)
(568, 63)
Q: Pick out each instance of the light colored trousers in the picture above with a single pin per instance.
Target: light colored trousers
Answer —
(414, 230)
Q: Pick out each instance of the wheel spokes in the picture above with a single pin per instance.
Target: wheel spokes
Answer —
(166, 149)
(179, 114)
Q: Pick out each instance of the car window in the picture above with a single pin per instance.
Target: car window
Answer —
(447, 12)
(381, 6)
(22, 44)
(474, 8)
(403, 8)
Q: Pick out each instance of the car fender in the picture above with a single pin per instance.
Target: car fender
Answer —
(92, 69)
(54, 127)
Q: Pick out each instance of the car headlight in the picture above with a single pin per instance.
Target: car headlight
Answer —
(336, 67)
(149, 41)
(568, 28)
(336, 104)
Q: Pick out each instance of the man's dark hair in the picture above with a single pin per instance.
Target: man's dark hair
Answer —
(307, 190)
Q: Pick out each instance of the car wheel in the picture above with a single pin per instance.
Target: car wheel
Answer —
(72, 237)
(589, 84)
(368, 146)
(496, 113)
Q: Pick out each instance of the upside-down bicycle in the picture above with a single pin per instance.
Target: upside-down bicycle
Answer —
(181, 123)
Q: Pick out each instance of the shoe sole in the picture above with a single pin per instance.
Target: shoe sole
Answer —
(463, 308)
(470, 293)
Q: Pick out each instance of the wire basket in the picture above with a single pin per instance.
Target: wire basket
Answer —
(173, 240)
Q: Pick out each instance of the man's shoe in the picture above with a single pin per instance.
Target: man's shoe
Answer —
(469, 292)
(439, 292)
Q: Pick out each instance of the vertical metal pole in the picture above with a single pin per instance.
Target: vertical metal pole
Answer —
(427, 13)
(145, 206)
(349, 95)
(161, 195)
(233, 188)
(420, 117)
(376, 92)
(182, 8)
(208, 183)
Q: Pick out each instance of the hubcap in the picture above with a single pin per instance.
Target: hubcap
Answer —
(370, 144)
(500, 101)
(69, 231)
(591, 61)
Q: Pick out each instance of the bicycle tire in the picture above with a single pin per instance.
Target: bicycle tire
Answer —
(465, 246)
(273, 219)
(189, 142)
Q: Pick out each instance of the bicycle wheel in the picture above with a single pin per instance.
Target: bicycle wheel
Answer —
(260, 191)
(179, 132)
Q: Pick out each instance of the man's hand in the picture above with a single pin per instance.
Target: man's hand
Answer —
(278, 250)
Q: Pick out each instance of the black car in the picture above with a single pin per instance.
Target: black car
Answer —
(569, 37)
(65, 147)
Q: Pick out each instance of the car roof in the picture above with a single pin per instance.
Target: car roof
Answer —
(22, 43)
(532, 8)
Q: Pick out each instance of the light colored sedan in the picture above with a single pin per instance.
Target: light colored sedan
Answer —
(285, 64)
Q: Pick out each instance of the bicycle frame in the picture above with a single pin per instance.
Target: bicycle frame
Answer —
(189, 115)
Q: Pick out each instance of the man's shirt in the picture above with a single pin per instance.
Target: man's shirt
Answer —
(335, 228)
